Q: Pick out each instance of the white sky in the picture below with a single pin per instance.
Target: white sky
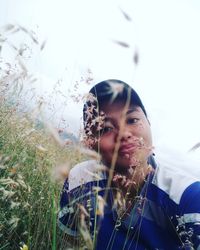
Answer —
(79, 36)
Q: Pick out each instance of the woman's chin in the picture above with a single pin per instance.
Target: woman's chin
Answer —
(123, 165)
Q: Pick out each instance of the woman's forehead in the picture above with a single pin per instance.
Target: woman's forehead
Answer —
(119, 107)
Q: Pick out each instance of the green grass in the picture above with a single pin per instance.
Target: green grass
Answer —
(30, 154)
(29, 195)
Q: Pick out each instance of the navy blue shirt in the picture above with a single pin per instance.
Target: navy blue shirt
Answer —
(165, 215)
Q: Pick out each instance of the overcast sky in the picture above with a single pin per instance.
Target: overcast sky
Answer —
(79, 36)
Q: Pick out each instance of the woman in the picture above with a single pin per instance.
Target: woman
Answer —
(131, 203)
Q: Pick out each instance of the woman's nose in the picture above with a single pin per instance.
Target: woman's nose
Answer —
(125, 134)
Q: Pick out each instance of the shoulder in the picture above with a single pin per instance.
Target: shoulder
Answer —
(173, 182)
(175, 173)
(85, 172)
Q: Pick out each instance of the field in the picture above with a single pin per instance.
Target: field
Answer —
(34, 161)
(29, 158)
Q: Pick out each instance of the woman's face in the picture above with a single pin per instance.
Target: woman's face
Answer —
(125, 137)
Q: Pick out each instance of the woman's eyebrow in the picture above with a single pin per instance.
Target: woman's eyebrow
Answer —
(132, 110)
(111, 121)
(108, 119)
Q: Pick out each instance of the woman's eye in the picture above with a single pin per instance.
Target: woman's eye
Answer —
(106, 130)
(132, 120)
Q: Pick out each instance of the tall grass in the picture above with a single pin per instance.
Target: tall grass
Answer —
(30, 156)
(29, 196)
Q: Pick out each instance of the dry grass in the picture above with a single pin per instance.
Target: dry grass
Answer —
(31, 156)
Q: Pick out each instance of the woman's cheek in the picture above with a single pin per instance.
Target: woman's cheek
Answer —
(104, 144)
(144, 131)
(107, 144)
(139, 128)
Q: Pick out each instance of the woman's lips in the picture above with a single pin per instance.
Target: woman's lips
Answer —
(127, 149)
